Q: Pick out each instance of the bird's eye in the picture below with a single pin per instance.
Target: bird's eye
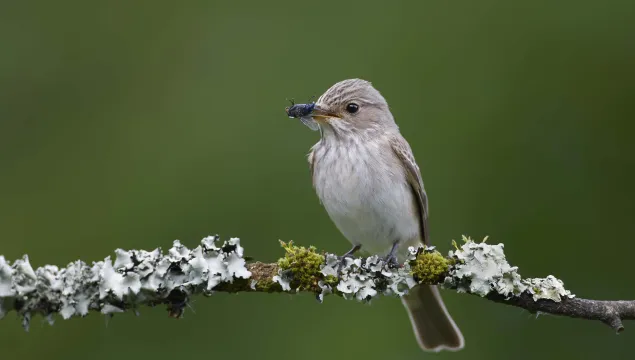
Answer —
(352, 108)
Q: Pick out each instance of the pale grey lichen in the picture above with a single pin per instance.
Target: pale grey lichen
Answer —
(325, 290)
(365, 278)
(481, 268)
(476, 268)
(139, 277)
(136, 277)
(548, 288)
(284, 278)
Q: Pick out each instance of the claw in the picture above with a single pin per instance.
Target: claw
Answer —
(341, 264)
(348, 254)
(391, 258)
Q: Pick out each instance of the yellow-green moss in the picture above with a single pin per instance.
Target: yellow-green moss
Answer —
(267, 285)
(304, 263)
(331, 280)
(430, 267)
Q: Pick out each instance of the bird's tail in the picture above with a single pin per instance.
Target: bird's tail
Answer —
(432, 324)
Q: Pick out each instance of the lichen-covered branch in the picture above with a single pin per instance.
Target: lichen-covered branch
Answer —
(147, 278)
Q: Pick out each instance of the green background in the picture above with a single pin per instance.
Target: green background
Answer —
(131, 124)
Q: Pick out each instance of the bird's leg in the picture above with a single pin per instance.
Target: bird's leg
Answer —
(391, 258)
(352, 251)
(348, 254)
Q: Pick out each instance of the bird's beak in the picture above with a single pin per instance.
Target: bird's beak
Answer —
(320, 113)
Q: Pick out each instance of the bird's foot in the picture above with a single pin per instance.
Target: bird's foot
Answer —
(341, 263)
(391, 258)
(348, 254)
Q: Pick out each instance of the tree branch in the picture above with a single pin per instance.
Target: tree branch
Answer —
(142, 278)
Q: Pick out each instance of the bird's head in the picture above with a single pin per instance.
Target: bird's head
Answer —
(352, 106)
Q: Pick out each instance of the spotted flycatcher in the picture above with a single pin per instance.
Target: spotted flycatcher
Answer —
(366, 177)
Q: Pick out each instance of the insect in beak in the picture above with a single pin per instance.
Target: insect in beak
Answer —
(303, 112)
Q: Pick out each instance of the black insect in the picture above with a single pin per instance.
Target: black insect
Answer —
(299, 110)
(303, 111)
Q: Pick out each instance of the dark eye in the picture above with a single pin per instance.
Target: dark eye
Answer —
(352, 108)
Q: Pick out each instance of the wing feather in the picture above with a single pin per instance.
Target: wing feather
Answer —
(403, 152)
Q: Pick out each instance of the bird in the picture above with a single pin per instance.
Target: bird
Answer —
(366, 177)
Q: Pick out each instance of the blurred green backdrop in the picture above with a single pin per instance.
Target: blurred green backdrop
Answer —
(131, 124)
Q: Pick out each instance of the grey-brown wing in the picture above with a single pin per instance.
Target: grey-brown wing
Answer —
(403, 152)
